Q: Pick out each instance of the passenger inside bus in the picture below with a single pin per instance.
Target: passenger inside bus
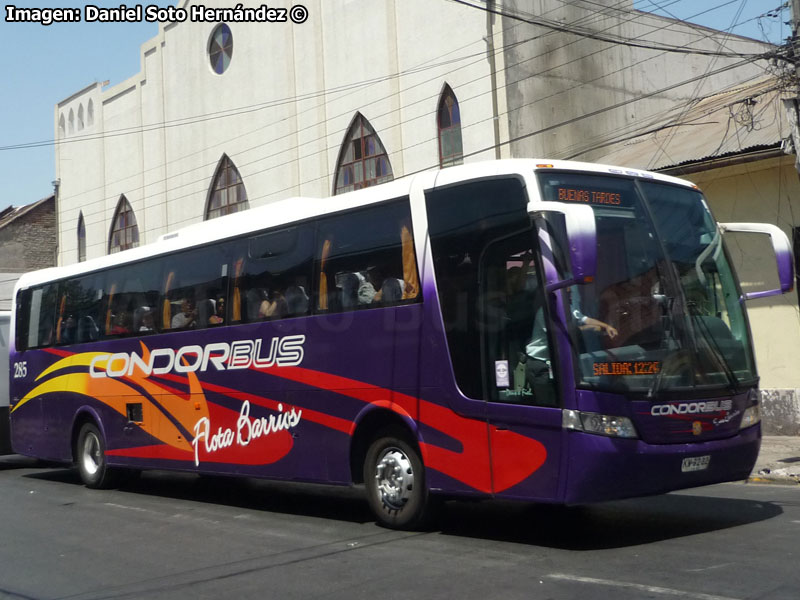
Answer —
(273, 305)
(187, 316)
(121, 324)
(143, 319)
(218, 318)
(67, 330)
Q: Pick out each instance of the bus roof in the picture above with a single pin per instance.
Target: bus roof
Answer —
(297, 209)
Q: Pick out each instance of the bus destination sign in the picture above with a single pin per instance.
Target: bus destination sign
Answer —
(587, 196)
(636, 367)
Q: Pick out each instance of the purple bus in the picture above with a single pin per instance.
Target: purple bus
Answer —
(560, 333)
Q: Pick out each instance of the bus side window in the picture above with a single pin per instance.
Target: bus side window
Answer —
(131, 299)
(366, 259)
(193, 282)
(80, 310)
(41, 321)
(277, 273)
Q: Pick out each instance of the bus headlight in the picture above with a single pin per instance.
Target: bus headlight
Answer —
(608, 425)
(751, 416)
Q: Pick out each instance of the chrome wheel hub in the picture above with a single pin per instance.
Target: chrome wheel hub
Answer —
(394, 477)
(91, 457)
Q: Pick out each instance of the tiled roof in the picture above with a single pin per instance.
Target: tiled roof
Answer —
(12, 213)
(741, 120)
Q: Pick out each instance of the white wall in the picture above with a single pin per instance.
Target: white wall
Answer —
(268, 112)
(281, 109)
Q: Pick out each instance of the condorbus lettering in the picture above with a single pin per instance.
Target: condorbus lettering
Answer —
(183, 365)
(691, 408)
(241, 354)
(264, 362)
(218, 360)
(115, 359)
(290, 350)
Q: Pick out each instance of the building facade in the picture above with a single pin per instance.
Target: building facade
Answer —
(28, 237)
(229, 115)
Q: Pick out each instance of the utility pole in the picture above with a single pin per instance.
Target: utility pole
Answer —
(791, 105)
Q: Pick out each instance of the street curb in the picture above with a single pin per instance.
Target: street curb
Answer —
(785, 480)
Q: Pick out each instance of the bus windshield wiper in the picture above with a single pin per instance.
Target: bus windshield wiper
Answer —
(713, 346)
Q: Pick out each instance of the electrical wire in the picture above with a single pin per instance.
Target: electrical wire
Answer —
(491, 147)
(271, 142)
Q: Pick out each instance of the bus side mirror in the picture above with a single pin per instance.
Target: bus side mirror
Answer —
(783, 254)
(581, 237)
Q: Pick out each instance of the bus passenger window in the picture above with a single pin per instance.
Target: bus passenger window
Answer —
(131, 297)
(36, 322)
(193, 283)
(366, 259)
(277, 274)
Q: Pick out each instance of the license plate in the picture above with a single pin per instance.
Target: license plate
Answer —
(695, 463)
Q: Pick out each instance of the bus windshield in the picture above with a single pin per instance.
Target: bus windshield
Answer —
(663, 312)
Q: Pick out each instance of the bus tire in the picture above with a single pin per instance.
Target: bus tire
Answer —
(90, 454)
(394, 478)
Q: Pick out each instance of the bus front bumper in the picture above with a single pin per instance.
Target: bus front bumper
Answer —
(604, 468)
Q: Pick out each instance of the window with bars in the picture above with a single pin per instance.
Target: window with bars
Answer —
(362, 159)
(451, 151)
(228, 194)
(125, 231)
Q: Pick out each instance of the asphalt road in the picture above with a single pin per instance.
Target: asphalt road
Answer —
(180, 536)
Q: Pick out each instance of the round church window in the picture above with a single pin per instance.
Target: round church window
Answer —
(220, 48)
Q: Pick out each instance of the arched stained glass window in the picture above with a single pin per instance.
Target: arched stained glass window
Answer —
(228, 194)
(124, 231)
(81, 238)
(449, 120)
(220, 48)
(362, 159)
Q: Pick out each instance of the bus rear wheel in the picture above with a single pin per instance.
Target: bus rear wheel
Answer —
(90, 453)
(394, 478)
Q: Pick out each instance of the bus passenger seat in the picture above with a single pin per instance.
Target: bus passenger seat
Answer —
(205, 308)
(87, 329)
(392, 290)
(349, 284)
(253, 299)
(296, 300)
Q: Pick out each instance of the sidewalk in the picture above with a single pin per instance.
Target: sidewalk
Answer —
(778, 461)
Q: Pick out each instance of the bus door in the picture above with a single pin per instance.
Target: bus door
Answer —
(485, 252)
(523, 406)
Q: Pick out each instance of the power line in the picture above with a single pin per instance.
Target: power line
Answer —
(507, 142)
(270, 142)
(696, 93)
(609, 39)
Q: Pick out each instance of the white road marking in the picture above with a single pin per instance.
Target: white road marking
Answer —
(711, 568)
(124, 507)
(650, 589)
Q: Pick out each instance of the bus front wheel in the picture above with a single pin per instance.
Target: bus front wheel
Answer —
(91, 457)
(394, 478)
